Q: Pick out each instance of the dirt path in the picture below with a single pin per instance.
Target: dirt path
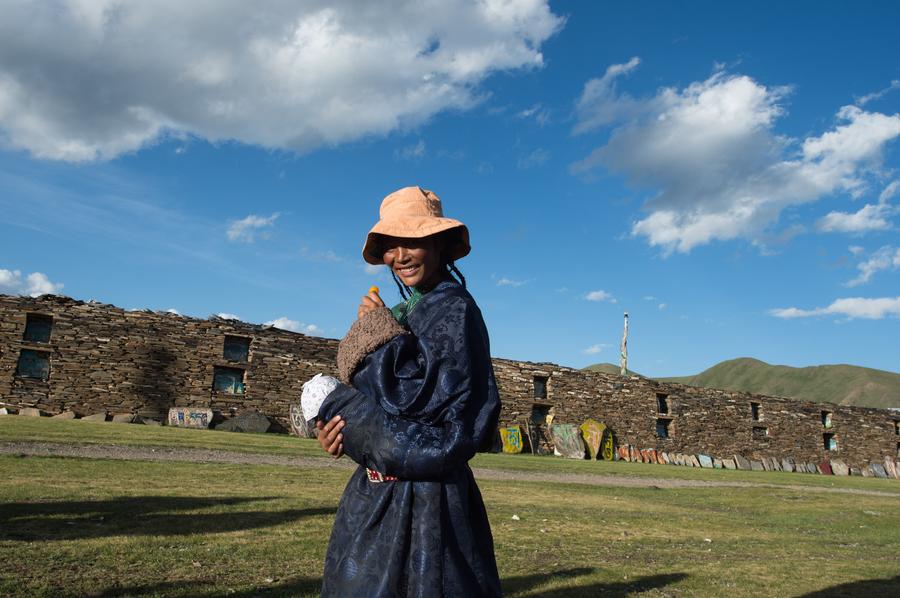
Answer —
(146, 453)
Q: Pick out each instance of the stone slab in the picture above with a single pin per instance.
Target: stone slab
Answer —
(855, 471)
(787, 464)
(568, 441)
(592, 433)
(839, 468)
(4, 411)
(890, 467)
(757, 466)
(511, 437)
(30, 412)
(705, 461)
(124, 418)
(717, 463)
(694, 461)
(741, 462)
(64, 415)
(94, 417)
(190, 417)
(775, 463)
(878, 470)
(150, 422)
(299, 426)
(659, 458)
(251, 422)
(825, 468)
(811, 468)
(765, 464)
(729, 463)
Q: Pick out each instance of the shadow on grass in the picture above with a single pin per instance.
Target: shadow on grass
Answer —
(524, 583)
(138, 516)
(867, 588)
(293, 587)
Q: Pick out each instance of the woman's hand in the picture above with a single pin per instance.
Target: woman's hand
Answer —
(330, 437)
(369, 302)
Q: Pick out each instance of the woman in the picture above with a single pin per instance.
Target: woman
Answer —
(419, 401)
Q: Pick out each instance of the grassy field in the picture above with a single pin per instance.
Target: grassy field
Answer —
(75, 526)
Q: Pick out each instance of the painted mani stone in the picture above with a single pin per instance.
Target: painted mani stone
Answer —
(512, 439)
(568, 441)
(298, 423)
(190, 417)
(598, 439)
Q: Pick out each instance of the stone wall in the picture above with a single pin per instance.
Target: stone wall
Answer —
(103, 358)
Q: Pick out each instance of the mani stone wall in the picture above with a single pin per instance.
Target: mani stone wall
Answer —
(103, 358)
(716, 422)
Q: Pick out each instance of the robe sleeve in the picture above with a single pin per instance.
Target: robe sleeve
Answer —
(422, 406)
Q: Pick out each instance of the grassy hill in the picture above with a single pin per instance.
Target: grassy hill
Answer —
(608, 368)
(841, 384)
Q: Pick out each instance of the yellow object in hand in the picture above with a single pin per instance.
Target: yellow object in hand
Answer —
(374, 289)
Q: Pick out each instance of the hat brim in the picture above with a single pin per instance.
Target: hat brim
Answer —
(417, 227)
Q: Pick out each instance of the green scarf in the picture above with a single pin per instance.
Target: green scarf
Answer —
(402, 310)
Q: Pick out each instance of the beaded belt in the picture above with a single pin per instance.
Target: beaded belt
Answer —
(375, 476)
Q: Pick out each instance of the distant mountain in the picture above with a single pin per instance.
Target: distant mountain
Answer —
(841, 384)
(608, 368)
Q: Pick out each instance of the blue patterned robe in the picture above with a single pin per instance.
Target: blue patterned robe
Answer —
(422, 405)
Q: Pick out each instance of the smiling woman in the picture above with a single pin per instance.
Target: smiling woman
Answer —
(418, 401)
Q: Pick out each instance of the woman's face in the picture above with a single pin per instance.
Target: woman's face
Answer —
(417, 262)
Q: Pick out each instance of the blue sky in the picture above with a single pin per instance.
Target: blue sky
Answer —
(726, 174)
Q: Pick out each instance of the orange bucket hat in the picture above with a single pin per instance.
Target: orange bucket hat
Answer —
(414, 213)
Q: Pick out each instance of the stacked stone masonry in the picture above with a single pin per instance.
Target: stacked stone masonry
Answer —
(103, 358)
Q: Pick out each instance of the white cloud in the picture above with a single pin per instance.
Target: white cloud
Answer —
(885, 258)
(172, 310)
(411, 152)
(508, 282)
(538, 113)
(326, 255)
(856, 249)
(34, 285)
(246, 229)
(227, 316)
(373, 269)
(537, 157)
(293, 325)
(594, 349)
(710, 154)
(869, 217)
(852, 308)
(600, 295)
(662, 306)
(862, 101)
(290, 75)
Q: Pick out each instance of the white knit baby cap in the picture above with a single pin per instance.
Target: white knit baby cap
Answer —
(314, 392)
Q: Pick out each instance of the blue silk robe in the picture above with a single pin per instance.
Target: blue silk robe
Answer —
(423, 404)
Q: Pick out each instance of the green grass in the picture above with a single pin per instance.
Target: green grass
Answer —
(72, 526)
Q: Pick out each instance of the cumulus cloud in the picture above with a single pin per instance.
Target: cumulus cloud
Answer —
(537, 157)
(600, 295)
(594, 349)
(34, 285)
(293, 325)
(228, 316)
(411, 152)
(711, 155)
(282, 74)
(246, 229)
(886, 258)
(869, 217)
(509, 282)
(851, 307)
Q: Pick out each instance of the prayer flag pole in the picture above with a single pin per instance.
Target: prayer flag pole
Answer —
(623, 351)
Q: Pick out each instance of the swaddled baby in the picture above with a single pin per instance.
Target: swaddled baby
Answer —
(315, 391)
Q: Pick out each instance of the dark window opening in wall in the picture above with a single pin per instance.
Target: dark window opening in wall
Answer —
(228, 380)
(539, 413)
(663, 428)
(662, 403)
(760, 433)
(540, 387)
(826, 419)
(754, 412)
(237, 348)
(33, 364)
(829, 442)
(37, 328)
